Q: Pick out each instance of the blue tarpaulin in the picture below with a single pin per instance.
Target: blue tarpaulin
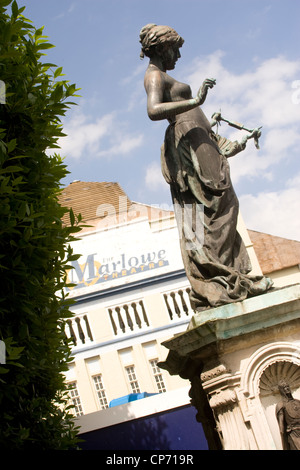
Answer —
(130, 397)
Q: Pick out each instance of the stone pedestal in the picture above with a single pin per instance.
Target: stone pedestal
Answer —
(234, 357)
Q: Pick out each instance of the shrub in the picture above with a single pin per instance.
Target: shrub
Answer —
(34, 244)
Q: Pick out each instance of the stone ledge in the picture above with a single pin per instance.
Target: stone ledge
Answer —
(230, 321)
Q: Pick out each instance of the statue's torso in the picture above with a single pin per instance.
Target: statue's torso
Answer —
(293, 410)
(177, 91)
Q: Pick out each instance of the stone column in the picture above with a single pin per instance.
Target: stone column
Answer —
(221, 389)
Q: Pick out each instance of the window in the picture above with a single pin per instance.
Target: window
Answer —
(75, 398)
(158, 376)
(135, 388)
(100, 391)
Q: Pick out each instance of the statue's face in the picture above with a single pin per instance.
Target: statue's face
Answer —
(284, 387)
(169, 55)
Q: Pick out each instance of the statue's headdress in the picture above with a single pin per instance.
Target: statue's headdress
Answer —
(153, 35)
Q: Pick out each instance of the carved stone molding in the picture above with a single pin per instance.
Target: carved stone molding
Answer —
(274, 353)
(223, 399)
(277, 371)
(213, 373)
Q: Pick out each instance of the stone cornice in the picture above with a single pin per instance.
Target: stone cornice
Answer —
(207, 328)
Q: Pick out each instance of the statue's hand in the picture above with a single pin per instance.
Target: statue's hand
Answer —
(202, 92)
(256, 133)
(216, 118)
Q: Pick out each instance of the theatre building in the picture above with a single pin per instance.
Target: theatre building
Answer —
(131, 294)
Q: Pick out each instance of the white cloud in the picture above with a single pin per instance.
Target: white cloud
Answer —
(276, 145)
(154, 179)
(125, 145)
(276, 213)
(65, 13)
(264, 95)
(294, 182)
(85, 137)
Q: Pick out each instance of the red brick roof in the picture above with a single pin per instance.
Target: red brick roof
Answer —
(274, 253)
(91, 198)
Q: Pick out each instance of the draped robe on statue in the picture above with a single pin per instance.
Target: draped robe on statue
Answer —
(214, 255)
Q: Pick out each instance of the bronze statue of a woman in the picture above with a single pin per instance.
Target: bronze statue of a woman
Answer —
(194, 163)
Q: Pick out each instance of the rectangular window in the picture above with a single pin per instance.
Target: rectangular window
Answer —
(157, 376)
(100, 391)
(135, 388)
(75, 398)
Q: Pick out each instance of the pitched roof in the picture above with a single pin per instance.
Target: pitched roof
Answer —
(91, 199)
(274, 253)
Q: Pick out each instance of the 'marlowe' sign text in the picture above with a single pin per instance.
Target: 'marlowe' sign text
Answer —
(92, 271)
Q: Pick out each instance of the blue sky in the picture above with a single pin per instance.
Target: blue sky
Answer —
(251, 47)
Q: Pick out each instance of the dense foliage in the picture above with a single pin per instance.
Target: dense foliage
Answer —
(34, 244)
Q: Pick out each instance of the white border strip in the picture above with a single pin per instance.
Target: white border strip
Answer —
(133, 410)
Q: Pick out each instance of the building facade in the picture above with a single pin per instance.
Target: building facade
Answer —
(131, 294)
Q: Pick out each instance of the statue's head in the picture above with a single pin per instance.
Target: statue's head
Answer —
(155, 38)
(284, 388)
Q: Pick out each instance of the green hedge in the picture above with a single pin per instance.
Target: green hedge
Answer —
(34, 244)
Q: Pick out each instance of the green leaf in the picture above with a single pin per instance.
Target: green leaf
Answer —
(14, 9)
(57, 72)
(11, 169)
(39, 32)
(57, 93)
(5, 3)
(72, 217)
(11, 145)
(45, 45)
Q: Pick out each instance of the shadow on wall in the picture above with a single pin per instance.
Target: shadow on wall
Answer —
(175, 429)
